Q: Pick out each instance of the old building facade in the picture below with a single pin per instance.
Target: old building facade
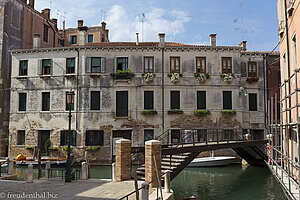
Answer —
(132, 90)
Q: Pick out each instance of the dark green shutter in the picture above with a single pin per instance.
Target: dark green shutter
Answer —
(148, 100)
(22, 101)
(122, 104)
(227, 100)
(95, 100)
(201, 100)
(45, 101)
(175, 100)
(252, 102)
(74, 137)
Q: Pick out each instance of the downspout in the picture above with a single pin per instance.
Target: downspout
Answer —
(266, 85)
(163, 87)
(77, 88)
(289, 73)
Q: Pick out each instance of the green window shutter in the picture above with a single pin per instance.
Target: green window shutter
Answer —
(95, 100)
(115, 64)
(74, 137)
(39, 67)
(22, 101)
(201, 100)
(175, 99)
(103, 65)
(88, 65)
(51, 66)
(87, 138)
(148, 100)
(227, 100)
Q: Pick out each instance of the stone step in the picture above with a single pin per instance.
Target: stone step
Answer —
(177, 160)
(168, 163)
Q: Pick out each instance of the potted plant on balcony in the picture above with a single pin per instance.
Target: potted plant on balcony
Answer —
(228, 112)
(175, 111)
(252, 79)
(127, 74)
(174, 77)
(149, 112)
(201, 113)
(148, 77)
(227, 78)
(201, 77)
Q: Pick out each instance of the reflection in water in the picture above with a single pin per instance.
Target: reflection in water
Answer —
(232, 182)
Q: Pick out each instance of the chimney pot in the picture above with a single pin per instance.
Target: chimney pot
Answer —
(31, 3)
(80, 23)
(137, 38)
(161, 39)
(103, 25)
(36, 41)
(243, 44)
(46, 13)
(213, 40)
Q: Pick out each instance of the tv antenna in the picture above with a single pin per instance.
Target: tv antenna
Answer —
(143, 19)
(103, 15)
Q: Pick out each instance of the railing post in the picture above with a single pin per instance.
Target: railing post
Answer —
(167, 181)
(206, 138)
(145, 191)
(30, 173)
(217, 136)
(10, 166)
(48, 166)
(193, 137)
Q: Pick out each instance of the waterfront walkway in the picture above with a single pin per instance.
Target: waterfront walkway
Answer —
(87, 189)
(283, 179)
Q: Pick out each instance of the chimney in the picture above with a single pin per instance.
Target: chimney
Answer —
(80, 23)
(213, 40)
(243, 44)
(54, 20)
(36, 41)
(161, 39)
(31, 3)
(137, 38)
(46, 13)
(103, 26)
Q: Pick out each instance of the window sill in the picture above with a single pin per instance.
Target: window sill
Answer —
(70, 75)
(46, 76)
(21, 77)
(95, 74)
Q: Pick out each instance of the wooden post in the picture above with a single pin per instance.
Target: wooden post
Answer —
(39, 164)
(136, 185)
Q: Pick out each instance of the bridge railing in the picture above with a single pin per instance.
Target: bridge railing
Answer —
(194, 136)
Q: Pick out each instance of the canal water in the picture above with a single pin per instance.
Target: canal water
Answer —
(233, 182)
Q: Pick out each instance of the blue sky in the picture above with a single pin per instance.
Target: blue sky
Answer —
(186, 21)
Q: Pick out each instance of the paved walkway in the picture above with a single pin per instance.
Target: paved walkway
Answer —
(58, 189)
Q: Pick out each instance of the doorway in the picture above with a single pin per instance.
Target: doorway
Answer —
(44, 142)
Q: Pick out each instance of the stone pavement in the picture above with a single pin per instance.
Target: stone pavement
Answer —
(58, 189)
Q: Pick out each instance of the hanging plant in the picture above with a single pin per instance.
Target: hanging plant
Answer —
(201, 113)
(174, 77)
(201, 77)
(148, 77)
(227, 78)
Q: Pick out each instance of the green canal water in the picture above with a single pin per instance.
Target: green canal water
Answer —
(233, 182)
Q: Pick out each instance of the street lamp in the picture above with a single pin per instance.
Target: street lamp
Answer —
(70, 102)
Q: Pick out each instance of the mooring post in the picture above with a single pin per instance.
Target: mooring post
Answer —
(48, 166)
(113, 171)
(84, 171)
(30, 173)
(145, 191)
(167, 181)
(10, 166)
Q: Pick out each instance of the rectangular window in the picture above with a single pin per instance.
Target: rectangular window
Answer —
(175, 136)
(71, 105)
(64, 137)
(174, 64)
(95, 100)
(46, 66)
(226, 65)
(23, 67)
(70, 65)
(148, 135)
(227, 100)
(175, 99)
(46, 33)
(21, 137)
(96, 65)
(94, 138)
(90, 38)
(252, 69)
(148, 100)
(200, 65)
(201, 100)
(61, 42)
(22, 101)
(73, 39)
(148, 64)
(45, 101)
(252, 102)
(294, 52)
(122, 104)
(122, 64)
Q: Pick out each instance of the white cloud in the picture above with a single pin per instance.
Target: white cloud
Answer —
(123, 26)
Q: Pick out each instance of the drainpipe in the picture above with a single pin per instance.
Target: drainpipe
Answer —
(77, 88)
(266, 85)
(162, 46)
(289, 73)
